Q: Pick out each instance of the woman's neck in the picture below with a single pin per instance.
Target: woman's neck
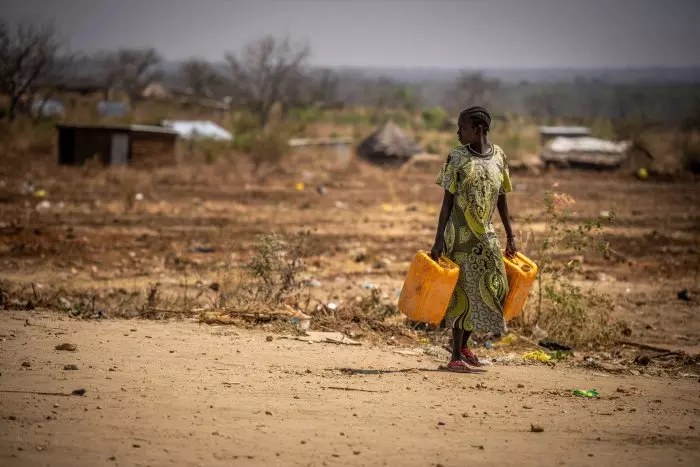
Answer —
(482, 145)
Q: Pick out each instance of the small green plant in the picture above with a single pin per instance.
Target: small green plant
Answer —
(276, 267)
(267, 150)
(434, 118)
(567, 312)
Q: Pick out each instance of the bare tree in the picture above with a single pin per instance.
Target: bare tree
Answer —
(268, 71)
(200, 76)
(29, 53)
(472, 89)
(131, 70)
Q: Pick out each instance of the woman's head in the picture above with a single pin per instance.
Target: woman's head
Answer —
(473, 124)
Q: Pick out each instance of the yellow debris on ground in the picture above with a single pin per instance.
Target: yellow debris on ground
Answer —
(538, 355)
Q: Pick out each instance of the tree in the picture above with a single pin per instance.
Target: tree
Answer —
(29, 53)
(131, 70)
(268, 71)
(200, 76)
(471, 89)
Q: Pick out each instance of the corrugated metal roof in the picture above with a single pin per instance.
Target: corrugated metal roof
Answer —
(565, 131)
(194, 129)
(587, 144)
(139, 128)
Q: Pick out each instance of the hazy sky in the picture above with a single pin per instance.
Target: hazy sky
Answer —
(393, 33)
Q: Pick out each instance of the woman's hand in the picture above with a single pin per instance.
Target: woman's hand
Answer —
(437, 249)
(511, 247)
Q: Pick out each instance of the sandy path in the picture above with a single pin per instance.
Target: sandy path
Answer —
(188, 394)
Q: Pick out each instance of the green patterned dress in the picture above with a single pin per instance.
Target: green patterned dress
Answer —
(470, 240)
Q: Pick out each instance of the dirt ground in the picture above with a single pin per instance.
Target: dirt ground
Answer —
(176, 392)
(188, 394)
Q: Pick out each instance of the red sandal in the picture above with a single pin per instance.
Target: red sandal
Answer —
(469, 357)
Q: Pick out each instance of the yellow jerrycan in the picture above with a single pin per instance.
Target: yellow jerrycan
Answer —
(521, 272)
(428, 288)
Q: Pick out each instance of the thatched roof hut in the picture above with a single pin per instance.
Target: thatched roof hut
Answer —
(388, 145)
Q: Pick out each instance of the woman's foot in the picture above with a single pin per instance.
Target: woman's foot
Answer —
(458, 366)
(469, 357)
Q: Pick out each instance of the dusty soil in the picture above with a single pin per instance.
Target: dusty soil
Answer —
(175, 392)
(187, 394)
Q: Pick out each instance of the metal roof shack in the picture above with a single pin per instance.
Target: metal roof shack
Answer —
(548, 133)
(585, 152)
(139, 145)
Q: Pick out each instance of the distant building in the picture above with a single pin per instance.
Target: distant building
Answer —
(388, 145)
(585, 152)
(548, 133)
(141, 145)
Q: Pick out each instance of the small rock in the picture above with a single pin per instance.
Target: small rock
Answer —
(441, 423)
(267, 412)
(12, 417)
(685, 295)
(536, 428)
(527, 407)
(112, 458)
(70, 367)
(269, 338)
(79, 392)
(26, 364)
(136, 445)
(521, 386)
(215, 286)
(67, 347)
(357, 453)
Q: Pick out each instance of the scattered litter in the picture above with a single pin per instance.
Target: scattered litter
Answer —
(43, 206)
(387, 207)
(538, 355)
(591, 393)
(138, 196)
(321, 190)
(299, 186)
(341, 205)
(314, 283)
(369, 286)
(508, 340)
(40, 194)
(332, 306)
(605, 214)
(488, 345)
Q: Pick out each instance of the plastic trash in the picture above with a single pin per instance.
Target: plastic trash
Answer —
(508, 340)
(586, 393)
(299, 186)
(538, 355)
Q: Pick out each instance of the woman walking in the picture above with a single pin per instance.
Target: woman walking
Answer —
(475, 179)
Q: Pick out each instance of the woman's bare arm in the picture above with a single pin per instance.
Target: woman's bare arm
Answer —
(445, 211)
